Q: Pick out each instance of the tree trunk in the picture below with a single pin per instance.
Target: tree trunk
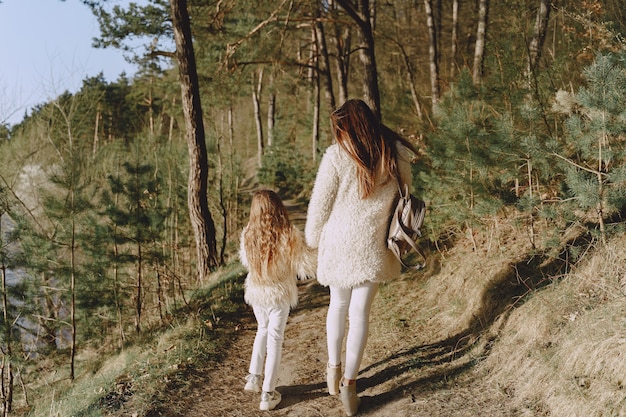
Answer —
(150, 104)
(7, 357)
(271, 118)
(433, 54)
(73, 290)
(256, 100)
(323, 66)
(342, 47)
(116, 293)
(160, 296)
(139, 292)
(371, 94)
(411, 80)
(232, 185)
(363, 18)
(200, 216)
(344, 42)
(481, 33)
(316, 116)
(539, 35)
(170, 132)
(95, 133)
(223, 205)
(454, 38)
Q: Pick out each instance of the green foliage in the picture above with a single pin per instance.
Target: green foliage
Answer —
(286, 168)
(593, 154)
(15, 285)
(133, 230)
(51, 245)
(118, 24)
(468, 158)
(5, 132)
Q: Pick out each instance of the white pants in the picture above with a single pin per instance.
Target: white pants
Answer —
(355, 304)
(268, 343)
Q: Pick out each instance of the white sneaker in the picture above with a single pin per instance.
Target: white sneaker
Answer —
(349, 399)
(269, 400)
(253, 384)
(333, 376)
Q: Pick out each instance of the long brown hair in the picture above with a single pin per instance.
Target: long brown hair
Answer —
(358, 132)
(268, 233)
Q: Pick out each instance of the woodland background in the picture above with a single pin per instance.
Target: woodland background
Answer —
(120, 201)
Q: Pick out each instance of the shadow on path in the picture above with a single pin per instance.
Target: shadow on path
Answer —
(412, 370)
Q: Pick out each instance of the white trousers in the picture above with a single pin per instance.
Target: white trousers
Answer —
(268, 343)
(354, 304)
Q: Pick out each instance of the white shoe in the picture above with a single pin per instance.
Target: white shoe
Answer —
(349, 399)
(253, 384)
(269, 400)
(333, 376)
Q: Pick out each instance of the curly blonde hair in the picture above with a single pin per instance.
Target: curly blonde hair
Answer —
(268, 236)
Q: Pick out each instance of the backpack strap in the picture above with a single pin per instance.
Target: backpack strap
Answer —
(407, 237)
(413, 245)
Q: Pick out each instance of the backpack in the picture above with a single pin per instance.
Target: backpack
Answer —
(404, 227)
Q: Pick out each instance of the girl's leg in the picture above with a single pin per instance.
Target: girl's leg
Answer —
(260, 341)
(336, 322)
(359, 313)
(275, 335)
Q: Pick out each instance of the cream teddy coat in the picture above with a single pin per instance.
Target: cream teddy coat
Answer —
(281, 287)
(350, 233)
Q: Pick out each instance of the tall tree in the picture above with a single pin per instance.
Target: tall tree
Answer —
(595, 179)
(361, 13)
(201, 220)
(257, 88)
(6, 376)
(539, 35)
(433, 52)
(323, 61)
(122, 24)
(137, 223)
(454, 37)
(481, 35)
(343, 43)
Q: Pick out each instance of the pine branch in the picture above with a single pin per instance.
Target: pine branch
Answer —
(569, 161)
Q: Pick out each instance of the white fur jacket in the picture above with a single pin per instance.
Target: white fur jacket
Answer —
(350, 233)
(281, 287)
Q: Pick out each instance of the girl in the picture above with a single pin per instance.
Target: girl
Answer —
(274, 252)
(348, 221)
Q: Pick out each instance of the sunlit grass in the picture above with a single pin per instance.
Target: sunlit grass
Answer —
(134, 377)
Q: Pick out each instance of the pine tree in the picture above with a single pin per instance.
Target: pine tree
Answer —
(594, 150)
(466, 156)
(136, 221)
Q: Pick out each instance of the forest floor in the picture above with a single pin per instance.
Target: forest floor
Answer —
(398, 377)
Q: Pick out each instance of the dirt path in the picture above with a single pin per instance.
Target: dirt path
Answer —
(301, 379)
(398, 377)
(403, 373)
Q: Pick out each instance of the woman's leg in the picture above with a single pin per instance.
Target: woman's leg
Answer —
(336, 322)
(359, 313)
(275, 335)
(260, 341)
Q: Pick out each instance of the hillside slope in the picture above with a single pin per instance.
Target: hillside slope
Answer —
(492, 332)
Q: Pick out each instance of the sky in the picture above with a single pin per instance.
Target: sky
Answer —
(45, 49)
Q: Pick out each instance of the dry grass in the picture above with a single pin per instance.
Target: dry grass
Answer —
(537, 341)
(564, 351)
(489, 329)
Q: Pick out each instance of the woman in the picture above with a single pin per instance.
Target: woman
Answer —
(273, 251)
(348, 221)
